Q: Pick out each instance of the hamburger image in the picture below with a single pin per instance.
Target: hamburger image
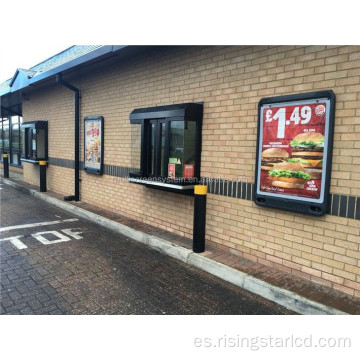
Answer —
(288, 175)
(308, 150)
(272, 156)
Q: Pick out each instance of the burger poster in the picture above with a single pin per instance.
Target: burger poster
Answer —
(93, 147)
(292, 149)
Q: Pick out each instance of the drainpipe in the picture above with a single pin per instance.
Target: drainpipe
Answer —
(76, 91)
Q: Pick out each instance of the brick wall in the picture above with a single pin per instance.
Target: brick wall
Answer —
(230, 81)
(13, 169)
(31, 173)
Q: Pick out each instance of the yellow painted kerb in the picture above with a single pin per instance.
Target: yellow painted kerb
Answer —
(42, 162)
(5, 155)
(200, 190)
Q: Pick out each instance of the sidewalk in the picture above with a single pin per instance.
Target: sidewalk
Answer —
(291, 291)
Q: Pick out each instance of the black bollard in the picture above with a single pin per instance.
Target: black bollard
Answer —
(200, 192)
(42, 176)
(6, 165)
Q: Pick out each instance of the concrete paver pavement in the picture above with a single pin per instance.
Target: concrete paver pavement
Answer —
(61, 264)
(294, 292)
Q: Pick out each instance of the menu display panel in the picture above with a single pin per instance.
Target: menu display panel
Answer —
(294, 152)
(93, 144)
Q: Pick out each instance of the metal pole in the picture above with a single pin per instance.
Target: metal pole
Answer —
(200, 192)
(76, 91)
(77, 145)
(6, 165)
(42, 176)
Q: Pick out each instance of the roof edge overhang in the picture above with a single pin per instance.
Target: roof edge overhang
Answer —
(103, 51)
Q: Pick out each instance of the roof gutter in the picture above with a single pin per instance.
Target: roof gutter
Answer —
(76, 91)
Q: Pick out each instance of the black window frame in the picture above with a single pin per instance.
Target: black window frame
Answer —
(159, 115)
(11, 150)
(29, 127)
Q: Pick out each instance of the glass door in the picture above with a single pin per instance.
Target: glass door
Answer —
(151, 159)
(6, 136)
(156, 137)
(11, 140)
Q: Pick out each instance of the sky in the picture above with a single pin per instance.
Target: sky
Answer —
(45, 32)
(25, 56)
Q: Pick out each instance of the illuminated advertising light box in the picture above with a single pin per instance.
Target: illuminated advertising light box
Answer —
(93, 144)
(294, 151)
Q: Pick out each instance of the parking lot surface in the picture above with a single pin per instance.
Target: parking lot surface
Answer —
(55, 263)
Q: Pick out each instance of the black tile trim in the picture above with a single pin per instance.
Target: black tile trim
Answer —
(62, 162)
(340, 205)
(221, 187)
(231, 189)
(343, 205)
(216, 186)
(248, 191)
(112, 170)
(243, 190)
(335, 204)
(239, 188)
(209, 185)
(235, 187)
(225, 185)
(351, 207)
(357, 214)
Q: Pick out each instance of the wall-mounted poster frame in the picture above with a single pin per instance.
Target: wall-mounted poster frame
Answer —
(294, 152)
(94, 144)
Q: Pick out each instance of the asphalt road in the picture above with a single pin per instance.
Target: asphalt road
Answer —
(55, 263)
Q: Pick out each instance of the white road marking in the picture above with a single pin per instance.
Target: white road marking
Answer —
(72, 233)
(40, 237)
(16, 242)
(25, 226)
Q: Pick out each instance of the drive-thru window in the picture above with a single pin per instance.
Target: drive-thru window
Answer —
(166, 146)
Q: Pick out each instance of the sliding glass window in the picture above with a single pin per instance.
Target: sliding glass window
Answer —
(10, 142)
